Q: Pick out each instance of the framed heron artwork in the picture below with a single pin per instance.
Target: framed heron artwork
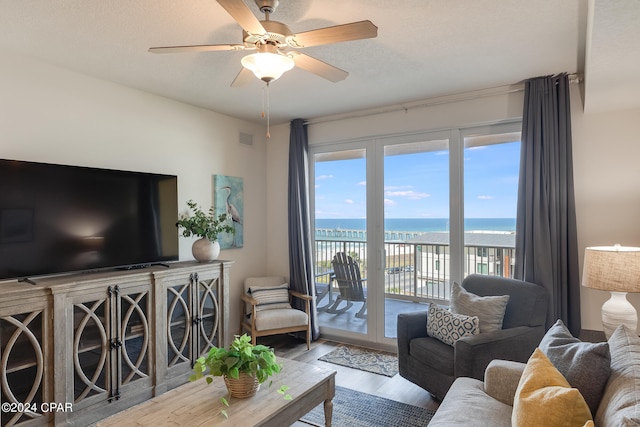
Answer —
(228, 197)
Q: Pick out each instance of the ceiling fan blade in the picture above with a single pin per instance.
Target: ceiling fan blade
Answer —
(243, 15)
(196, 48)
(244, 76)
(318, 67)
(339, 33)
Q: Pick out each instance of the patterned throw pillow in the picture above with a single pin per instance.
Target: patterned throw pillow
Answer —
(490, 309)
(449, 327)
(270, 297)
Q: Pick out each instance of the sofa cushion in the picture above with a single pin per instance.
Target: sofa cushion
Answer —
(466, 404)
(449, 327)
(585, 365)
(489, 309)
(620, 404)
(271, 297)
(545, 398)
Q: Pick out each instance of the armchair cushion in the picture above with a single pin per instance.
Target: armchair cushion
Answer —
(474, 353)
(280, 318)
(449, 327)
(586, 366)
(271, 297)
(434, 353)
(490, 309)
(545, 398)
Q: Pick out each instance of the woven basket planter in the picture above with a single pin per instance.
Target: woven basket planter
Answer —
(244, 386)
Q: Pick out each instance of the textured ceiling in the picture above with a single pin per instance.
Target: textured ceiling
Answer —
(424, 49)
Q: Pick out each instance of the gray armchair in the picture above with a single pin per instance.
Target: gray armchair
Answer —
(434, 365)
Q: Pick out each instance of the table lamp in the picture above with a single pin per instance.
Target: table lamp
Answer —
(615, 269)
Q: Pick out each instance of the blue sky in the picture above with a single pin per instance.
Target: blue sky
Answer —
(417, 185)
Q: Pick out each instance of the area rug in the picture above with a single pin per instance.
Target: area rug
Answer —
(356, 409)
(364, 360)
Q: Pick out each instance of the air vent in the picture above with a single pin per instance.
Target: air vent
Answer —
(246, 138)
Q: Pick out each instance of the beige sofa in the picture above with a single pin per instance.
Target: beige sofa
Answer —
(471, 402)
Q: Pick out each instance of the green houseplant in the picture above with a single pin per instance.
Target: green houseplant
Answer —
(207, 226)
(249, 365)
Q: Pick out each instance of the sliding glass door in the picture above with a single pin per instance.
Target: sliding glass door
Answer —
(341, 234)
(416, 227)
(409, 214)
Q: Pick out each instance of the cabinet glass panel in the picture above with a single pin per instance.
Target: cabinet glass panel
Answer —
(22, 367)
(208, 312)
(134, 335)
(90, 348)
(178, 325)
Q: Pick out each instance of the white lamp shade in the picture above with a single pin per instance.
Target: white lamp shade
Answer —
(615, 269)
(267, 66)
(612, 268)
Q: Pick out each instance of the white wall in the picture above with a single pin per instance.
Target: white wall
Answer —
(52, 115)
(277, 201)
(606, 150)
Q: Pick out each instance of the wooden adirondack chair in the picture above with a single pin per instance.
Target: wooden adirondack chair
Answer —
(347, 275)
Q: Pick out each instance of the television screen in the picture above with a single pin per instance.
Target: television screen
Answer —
(56, 218)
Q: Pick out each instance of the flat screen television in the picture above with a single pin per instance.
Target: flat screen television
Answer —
(57, 218)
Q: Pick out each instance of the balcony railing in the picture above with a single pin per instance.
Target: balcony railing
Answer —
(417, 271)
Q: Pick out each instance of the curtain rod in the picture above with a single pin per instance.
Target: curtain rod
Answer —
(428, 102)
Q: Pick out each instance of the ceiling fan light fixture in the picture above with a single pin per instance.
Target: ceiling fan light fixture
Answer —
(267, 64)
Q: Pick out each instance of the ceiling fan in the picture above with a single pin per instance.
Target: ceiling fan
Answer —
(277, 45)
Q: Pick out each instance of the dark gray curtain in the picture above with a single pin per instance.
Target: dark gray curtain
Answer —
(546, 241)
(301, 272)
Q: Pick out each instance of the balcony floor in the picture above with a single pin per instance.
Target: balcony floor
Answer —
(349, 322)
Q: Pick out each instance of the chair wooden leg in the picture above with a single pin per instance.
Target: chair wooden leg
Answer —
(362, 313)
(334, 307)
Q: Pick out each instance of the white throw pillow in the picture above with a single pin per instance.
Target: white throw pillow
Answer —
(490, 309)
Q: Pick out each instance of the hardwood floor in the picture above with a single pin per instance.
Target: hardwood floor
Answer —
(394, 388)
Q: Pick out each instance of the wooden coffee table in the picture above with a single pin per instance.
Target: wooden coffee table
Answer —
(198, 403)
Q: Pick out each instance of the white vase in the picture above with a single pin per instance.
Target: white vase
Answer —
(204, 250)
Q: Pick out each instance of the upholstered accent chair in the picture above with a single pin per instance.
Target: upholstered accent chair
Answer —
(434, 365)
(267, 310)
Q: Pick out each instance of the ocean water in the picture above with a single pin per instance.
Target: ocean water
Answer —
(420, 224)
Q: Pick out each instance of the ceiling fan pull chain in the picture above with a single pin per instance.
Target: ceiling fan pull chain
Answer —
(268, 112)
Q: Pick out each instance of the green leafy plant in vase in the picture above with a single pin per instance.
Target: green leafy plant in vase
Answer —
(242, 365)
(207, 226)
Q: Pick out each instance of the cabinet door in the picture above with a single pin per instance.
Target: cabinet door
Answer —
(179, 321)
(23, 366)
(207, 309)
(91, 346)
(190, 319)
(132, 340)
